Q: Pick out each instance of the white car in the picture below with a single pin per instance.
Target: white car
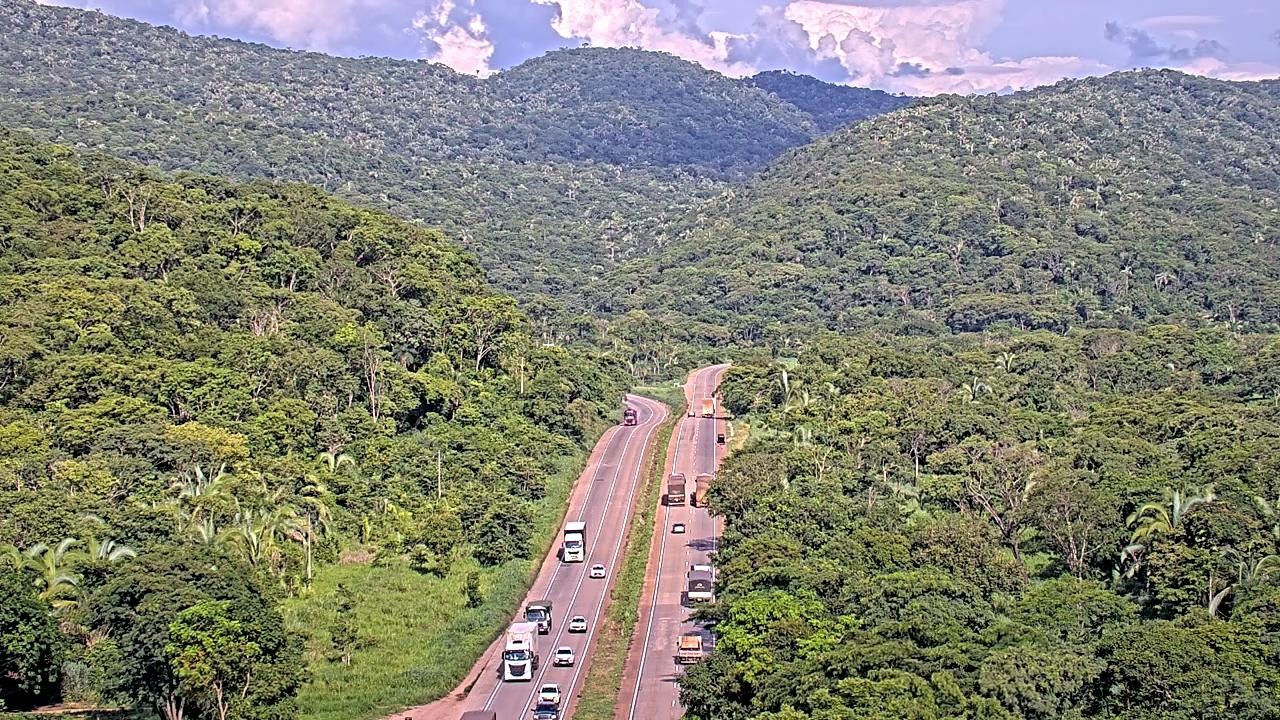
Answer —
(597, 571)
(677, 528)
(563, 657)
(577, 624)
(550, 692)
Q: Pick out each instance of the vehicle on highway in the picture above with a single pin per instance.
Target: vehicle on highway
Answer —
(719, 438)
(700, 584)
(677, 528)
(546, 711)
(675, 489)
(597, 571)
(563, 657)
(708, 407)
(629, 416)
(701, 484)
(539, 612)
(574, 548)
(519, 659)
(479, 715)
(578, 624)
(549, 693)
(689, 648)
(692, 412)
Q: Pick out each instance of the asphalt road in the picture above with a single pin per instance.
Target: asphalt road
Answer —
(603, 498)
(651, 682)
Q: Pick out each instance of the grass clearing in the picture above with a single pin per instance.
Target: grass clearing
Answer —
(614, 634)
(421, 637)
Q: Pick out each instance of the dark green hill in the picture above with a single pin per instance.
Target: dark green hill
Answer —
(829, 106)
(1111, 200)
(532, 169)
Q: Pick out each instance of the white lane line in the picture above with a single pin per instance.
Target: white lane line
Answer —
(591, 629)
(653, 601)
(613, 561)
(585, 504)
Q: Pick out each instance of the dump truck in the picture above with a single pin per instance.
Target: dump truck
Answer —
(675, 489)
(629, 416)
(701, 484)
(519, 657)
(539, 612)
(689, 648)
(700, 584)
(574, 547)
(708, 407)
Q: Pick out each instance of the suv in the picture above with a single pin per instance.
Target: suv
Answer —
(546, 711)
(549, 693)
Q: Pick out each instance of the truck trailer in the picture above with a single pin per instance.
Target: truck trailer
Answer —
(539, 613)
(574, 547)
(701, 484)
(689, 648)
(676, 489)
(520, 658)
(700, 584)
(708, 407)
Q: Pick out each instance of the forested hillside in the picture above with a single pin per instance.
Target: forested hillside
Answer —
(831, 107)
(209, 392)
(1007, 526)
(530, 169)
(1106, 201)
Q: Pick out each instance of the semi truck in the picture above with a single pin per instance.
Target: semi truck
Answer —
(539, 613)
(689, 648)
(520, 658)
(629, 416)
(675, 489)
(701, 484)
(708, 407)
(574, 547)
(700, 584)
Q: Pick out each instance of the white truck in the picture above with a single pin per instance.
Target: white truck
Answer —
(574, 547)
(701, 584)
(520, 658)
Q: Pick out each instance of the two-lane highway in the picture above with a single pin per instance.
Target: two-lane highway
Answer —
(650, 684)
(603, 498)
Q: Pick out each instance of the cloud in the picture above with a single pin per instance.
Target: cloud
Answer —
(1245, 71)
(630, 23)
(455, 34)
(312, 24)
(923, 48)
(1144, 48)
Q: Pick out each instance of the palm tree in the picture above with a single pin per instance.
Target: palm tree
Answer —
(1152, 519)
(313, 502)
(55, 581)
(108, 551)
(976, 389)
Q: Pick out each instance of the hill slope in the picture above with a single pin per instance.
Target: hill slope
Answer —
(1101, 201)
(529, 169)
(829, 106)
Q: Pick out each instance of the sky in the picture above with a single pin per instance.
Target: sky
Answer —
(916, 47)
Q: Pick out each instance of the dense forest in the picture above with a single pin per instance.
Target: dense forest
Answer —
(1133, 198)
(209, 391)
(530, 169)
(1008, 525)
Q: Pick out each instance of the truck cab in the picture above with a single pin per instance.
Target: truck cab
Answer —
(574, 548)
(519, 658)
(629, 416)
(676, 489)
(539, 613)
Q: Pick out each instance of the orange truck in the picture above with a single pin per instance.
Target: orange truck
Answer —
(675, 489)
(689, 649)
(701, 484)
(708, 407)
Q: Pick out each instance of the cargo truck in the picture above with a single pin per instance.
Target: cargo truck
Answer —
(675, 489)
(539, 613)
(700, 585)
(708, 407)
(629, 416)
(520, 658)
(574, 548)
(689, 649)
(701, 484)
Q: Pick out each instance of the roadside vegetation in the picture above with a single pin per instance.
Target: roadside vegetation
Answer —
(1007, 525)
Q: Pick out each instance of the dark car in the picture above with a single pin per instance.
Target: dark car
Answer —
(546, 711)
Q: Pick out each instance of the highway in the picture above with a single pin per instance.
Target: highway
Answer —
(604, 498)
(650, 689)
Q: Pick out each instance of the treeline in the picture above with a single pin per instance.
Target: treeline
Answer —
(1105, 202)
(552, 172)
(209, 390)
(1008, 525)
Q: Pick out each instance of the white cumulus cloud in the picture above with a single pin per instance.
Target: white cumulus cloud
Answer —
(630, 23)
(312, 24)
(456, 35)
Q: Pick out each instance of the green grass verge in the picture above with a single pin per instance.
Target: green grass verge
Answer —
(604, 679)
(421, 637)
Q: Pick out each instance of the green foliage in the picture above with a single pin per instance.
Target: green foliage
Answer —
(936, 528)
(31, 647)
(1133, 198)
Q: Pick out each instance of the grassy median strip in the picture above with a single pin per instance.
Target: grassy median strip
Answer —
(604, 679)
